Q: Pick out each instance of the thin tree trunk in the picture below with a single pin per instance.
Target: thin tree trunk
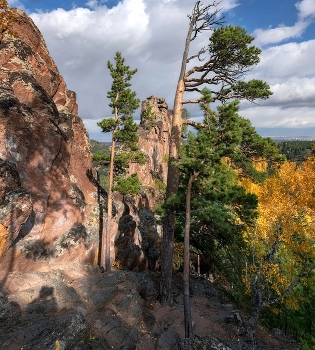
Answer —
(187, 307)
(167, 260)
(173, 181)
(101, 224)
(108, 264)
(107, 248)
(257, 305)
(171, 189)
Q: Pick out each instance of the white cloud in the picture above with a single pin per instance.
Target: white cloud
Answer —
(16, 3)
(270, 117)
(92, 4)
(102, 26)
(295, 92)
(279, 63)
(229, 4)
(306, 13)
(306, 8)
(276, 35)
(151, 34)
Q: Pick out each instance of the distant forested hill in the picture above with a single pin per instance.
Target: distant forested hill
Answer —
(99, 147)
(296, 151)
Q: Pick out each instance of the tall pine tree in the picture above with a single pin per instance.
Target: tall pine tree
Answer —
(222, 65)
(124, 145)
(217, 208)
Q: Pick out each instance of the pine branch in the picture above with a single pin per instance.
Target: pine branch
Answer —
(192, 123)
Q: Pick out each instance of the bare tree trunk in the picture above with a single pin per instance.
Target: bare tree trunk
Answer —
(167, 260)
(101, 224)
(172, 183)
(171, 189)
(199, 13)
(106, 249)
(187, 307)
(108, 265)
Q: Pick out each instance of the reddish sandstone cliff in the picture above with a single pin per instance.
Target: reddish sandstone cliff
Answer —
(138, 237)
(48, 207)
(154, 136)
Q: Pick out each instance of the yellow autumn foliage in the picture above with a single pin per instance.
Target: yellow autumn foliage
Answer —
(282, 244)
(3, 237)
(7, 17)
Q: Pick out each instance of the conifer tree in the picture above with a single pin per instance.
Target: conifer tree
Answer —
(222, 65)
(215, 205)
(124, 145)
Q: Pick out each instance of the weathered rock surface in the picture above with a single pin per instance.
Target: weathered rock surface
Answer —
(138, 238)
(47, 204)
(117, 310)
(154, 135)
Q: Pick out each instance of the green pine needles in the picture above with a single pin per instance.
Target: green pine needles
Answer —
(125, 149)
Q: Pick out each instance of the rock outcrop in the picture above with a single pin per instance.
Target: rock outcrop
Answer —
(48, 207)
(117, 310)
(154, 135)
(138, 238)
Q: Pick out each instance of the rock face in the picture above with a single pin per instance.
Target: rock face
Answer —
(138, 237)
(154, 134)
(48, 207)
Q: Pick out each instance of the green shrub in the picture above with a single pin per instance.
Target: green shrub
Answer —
(160, 185)
(128, 185)
(148, 117)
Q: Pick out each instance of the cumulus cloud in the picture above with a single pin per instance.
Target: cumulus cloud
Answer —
(150, 34)
(93, 4)
(285, 61)
(306, 9)
(276, 35)
(271, 117)
(294, 92)
(306, 13)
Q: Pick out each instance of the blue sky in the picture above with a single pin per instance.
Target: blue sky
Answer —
(83, 35)
(251, 14)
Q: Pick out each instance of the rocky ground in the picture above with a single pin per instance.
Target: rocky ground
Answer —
(82, 310)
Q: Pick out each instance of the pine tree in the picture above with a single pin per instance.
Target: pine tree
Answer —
(222, 66)
(124, 146)
(217, 208)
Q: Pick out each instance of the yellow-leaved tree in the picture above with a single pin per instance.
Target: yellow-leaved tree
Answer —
(281, 245)
(7, 17)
